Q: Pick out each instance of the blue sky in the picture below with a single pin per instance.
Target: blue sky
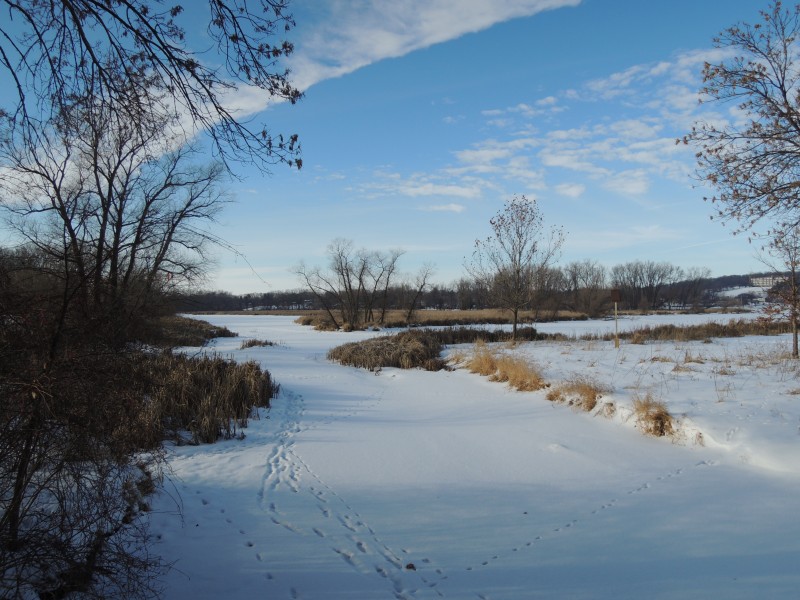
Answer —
(421, 117)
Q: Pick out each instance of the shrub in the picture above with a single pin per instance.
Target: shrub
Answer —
(652, 416)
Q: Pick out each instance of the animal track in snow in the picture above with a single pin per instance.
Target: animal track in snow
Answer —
(562, 529)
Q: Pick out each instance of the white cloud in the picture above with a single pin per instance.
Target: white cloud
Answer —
(572, 159)
(571, 190)
(452, 207)
(417, 186)
(431, 189)
(631, 183)
(504, 117)
(482, 156)
(636, 128)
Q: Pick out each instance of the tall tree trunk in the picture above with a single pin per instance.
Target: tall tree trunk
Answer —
(515, 313)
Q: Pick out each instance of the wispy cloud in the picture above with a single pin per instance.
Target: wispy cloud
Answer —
(346, 36)
(570, 190)
(436, 185)
(452, 207)
(624, 152)
(634, 182)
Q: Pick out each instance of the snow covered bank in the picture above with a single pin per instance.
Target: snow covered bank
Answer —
(411, 484)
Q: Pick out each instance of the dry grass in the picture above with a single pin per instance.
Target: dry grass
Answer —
(434, 318)
(688, 357)
(661, 359)
(174, 331)
(253, 343)
(209, 397)
(483, 361)
(488, 316)
(581, 392)
(317, 319)
(652, 416)
(517, 372)
(405, 350)
(703, 332)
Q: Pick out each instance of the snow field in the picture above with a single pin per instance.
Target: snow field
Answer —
(352, 477)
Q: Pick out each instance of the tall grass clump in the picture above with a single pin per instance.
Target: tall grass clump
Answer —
(254, 343)
(483, 361)
(702, 332)
(517, 372)
(581, 392)
(405, 350)
(208, 397)
(469, 335)
(652, 416)
(174, 330)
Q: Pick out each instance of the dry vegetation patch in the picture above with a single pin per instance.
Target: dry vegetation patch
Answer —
(483, 361)
(519, 373)
(173, 331)
(256, 344)
(405, 350)
(209, 397)
(703, 332)
(497, 366)
(652, 416)
(436, 318)
(582, 392)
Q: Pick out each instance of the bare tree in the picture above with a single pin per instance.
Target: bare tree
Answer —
(655, 276)
(112, 212)
(688, 288)
(419, 285)
(587, 287)
(509, 261)
(353, 282)
(122, 208)
(53, 51)
(382, 267)
(548, 292)
(101, 184)
(629, 280)
(467, 293)
(782, 256)
(641, 282)
(753, 161)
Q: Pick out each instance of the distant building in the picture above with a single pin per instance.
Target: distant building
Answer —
(767, 281)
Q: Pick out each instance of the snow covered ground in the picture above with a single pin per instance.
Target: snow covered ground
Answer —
(409, 484)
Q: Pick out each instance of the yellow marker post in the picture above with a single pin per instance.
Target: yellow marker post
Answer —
(616, 296)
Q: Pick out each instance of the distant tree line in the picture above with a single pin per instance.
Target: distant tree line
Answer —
(583, 287)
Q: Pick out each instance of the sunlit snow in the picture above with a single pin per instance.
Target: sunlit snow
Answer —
(410, 484)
